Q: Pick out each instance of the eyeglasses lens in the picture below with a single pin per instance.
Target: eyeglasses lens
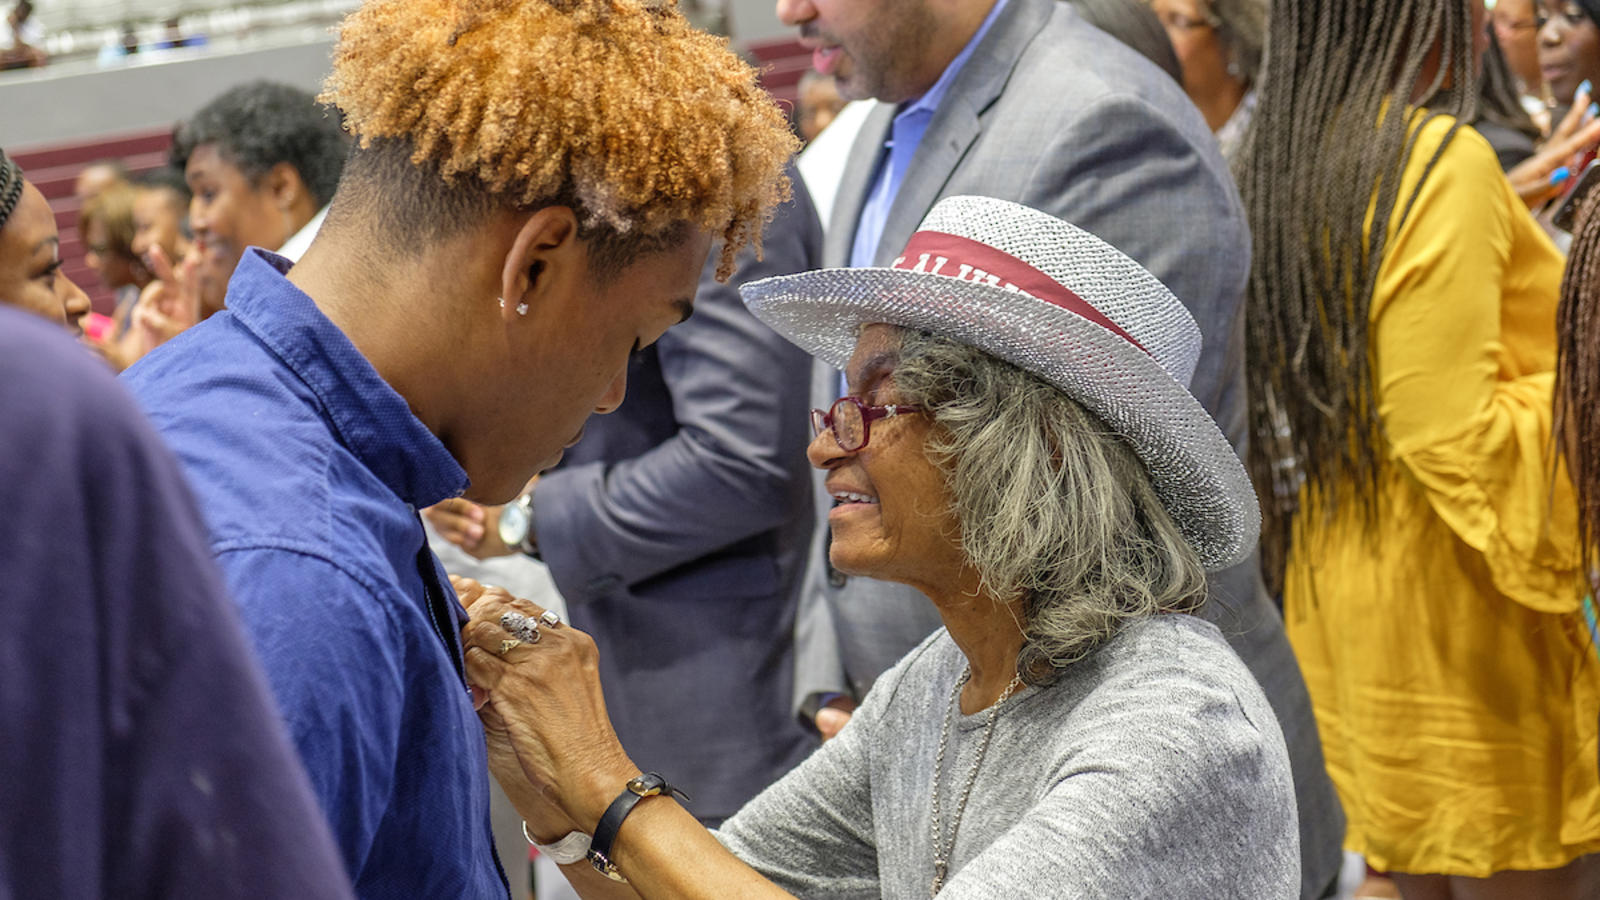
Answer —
(848, 426)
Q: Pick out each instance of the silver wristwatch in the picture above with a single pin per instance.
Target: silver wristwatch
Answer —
(570, 849)
(516, 525)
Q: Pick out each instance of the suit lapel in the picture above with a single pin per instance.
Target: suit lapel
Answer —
(944, 144)
(955, 125)
(854, 182)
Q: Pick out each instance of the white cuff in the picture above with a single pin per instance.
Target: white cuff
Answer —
(570, 849)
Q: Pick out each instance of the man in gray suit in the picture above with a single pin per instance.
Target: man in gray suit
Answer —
(1022, 100)
(676, 531)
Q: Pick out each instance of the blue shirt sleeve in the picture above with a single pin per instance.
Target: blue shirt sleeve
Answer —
(313, 625)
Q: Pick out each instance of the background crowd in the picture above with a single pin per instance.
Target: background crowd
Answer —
(1378, 216)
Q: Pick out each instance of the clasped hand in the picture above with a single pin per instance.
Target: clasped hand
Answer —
(551, 744)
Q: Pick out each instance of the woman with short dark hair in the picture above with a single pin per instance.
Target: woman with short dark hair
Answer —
(262, 161)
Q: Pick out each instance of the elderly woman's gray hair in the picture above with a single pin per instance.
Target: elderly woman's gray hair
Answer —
(1054, 509)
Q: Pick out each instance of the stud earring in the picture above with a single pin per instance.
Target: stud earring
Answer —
(522, 309)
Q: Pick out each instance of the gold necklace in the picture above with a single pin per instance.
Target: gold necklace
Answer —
(942, 848)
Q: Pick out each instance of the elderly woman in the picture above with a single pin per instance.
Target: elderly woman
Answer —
(1219, 44)
(1018, 444)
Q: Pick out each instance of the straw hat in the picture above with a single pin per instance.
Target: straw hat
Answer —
(1057, 301)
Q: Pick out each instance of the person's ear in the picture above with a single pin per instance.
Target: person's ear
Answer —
(545, 249)
(285, 186)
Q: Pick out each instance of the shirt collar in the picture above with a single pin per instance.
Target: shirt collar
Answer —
(929, 102)
(369, 417)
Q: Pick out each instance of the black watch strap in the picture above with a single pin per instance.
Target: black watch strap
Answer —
(647, 785)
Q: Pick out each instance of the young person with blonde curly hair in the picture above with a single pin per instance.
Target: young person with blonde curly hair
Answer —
(533, 191)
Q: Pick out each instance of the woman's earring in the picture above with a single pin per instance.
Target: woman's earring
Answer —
(522, 308)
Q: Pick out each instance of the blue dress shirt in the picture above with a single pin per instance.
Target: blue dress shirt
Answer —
(905, 134)
(309, 469)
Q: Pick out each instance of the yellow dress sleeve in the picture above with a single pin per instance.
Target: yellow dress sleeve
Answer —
(1475, 439)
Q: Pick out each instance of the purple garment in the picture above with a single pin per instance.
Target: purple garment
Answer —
(140, 753)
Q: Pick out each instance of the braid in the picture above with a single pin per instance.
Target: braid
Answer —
(1577, 394)
(1329, 143)
(10, 187)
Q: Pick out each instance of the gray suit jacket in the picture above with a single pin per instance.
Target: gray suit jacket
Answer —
(1054, 114)
(676, 531)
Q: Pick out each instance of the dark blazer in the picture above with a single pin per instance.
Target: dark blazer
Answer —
(1054, 114)
(676, 531)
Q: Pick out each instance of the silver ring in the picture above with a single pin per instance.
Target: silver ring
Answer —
(550, 617)
(521, 627)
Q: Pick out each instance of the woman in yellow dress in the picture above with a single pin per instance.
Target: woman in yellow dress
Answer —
(1402, 340)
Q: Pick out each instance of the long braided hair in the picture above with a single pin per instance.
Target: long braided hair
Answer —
(10, 187)
(1577, 400)
(1577, 413)
(1330, 141)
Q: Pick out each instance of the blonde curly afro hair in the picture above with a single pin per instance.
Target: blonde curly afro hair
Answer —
(619, 108)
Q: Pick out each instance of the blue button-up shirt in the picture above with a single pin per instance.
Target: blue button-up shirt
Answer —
(904, 135)
(309, 469)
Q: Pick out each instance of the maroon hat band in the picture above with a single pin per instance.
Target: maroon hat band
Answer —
(953, 256)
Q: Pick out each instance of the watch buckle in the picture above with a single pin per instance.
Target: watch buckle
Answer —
(605, 866)
(638, 786)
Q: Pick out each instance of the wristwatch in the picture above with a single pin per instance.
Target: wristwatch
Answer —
(647, 785)
(516, 525)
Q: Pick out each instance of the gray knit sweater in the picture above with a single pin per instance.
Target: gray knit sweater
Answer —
(1153, 768)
